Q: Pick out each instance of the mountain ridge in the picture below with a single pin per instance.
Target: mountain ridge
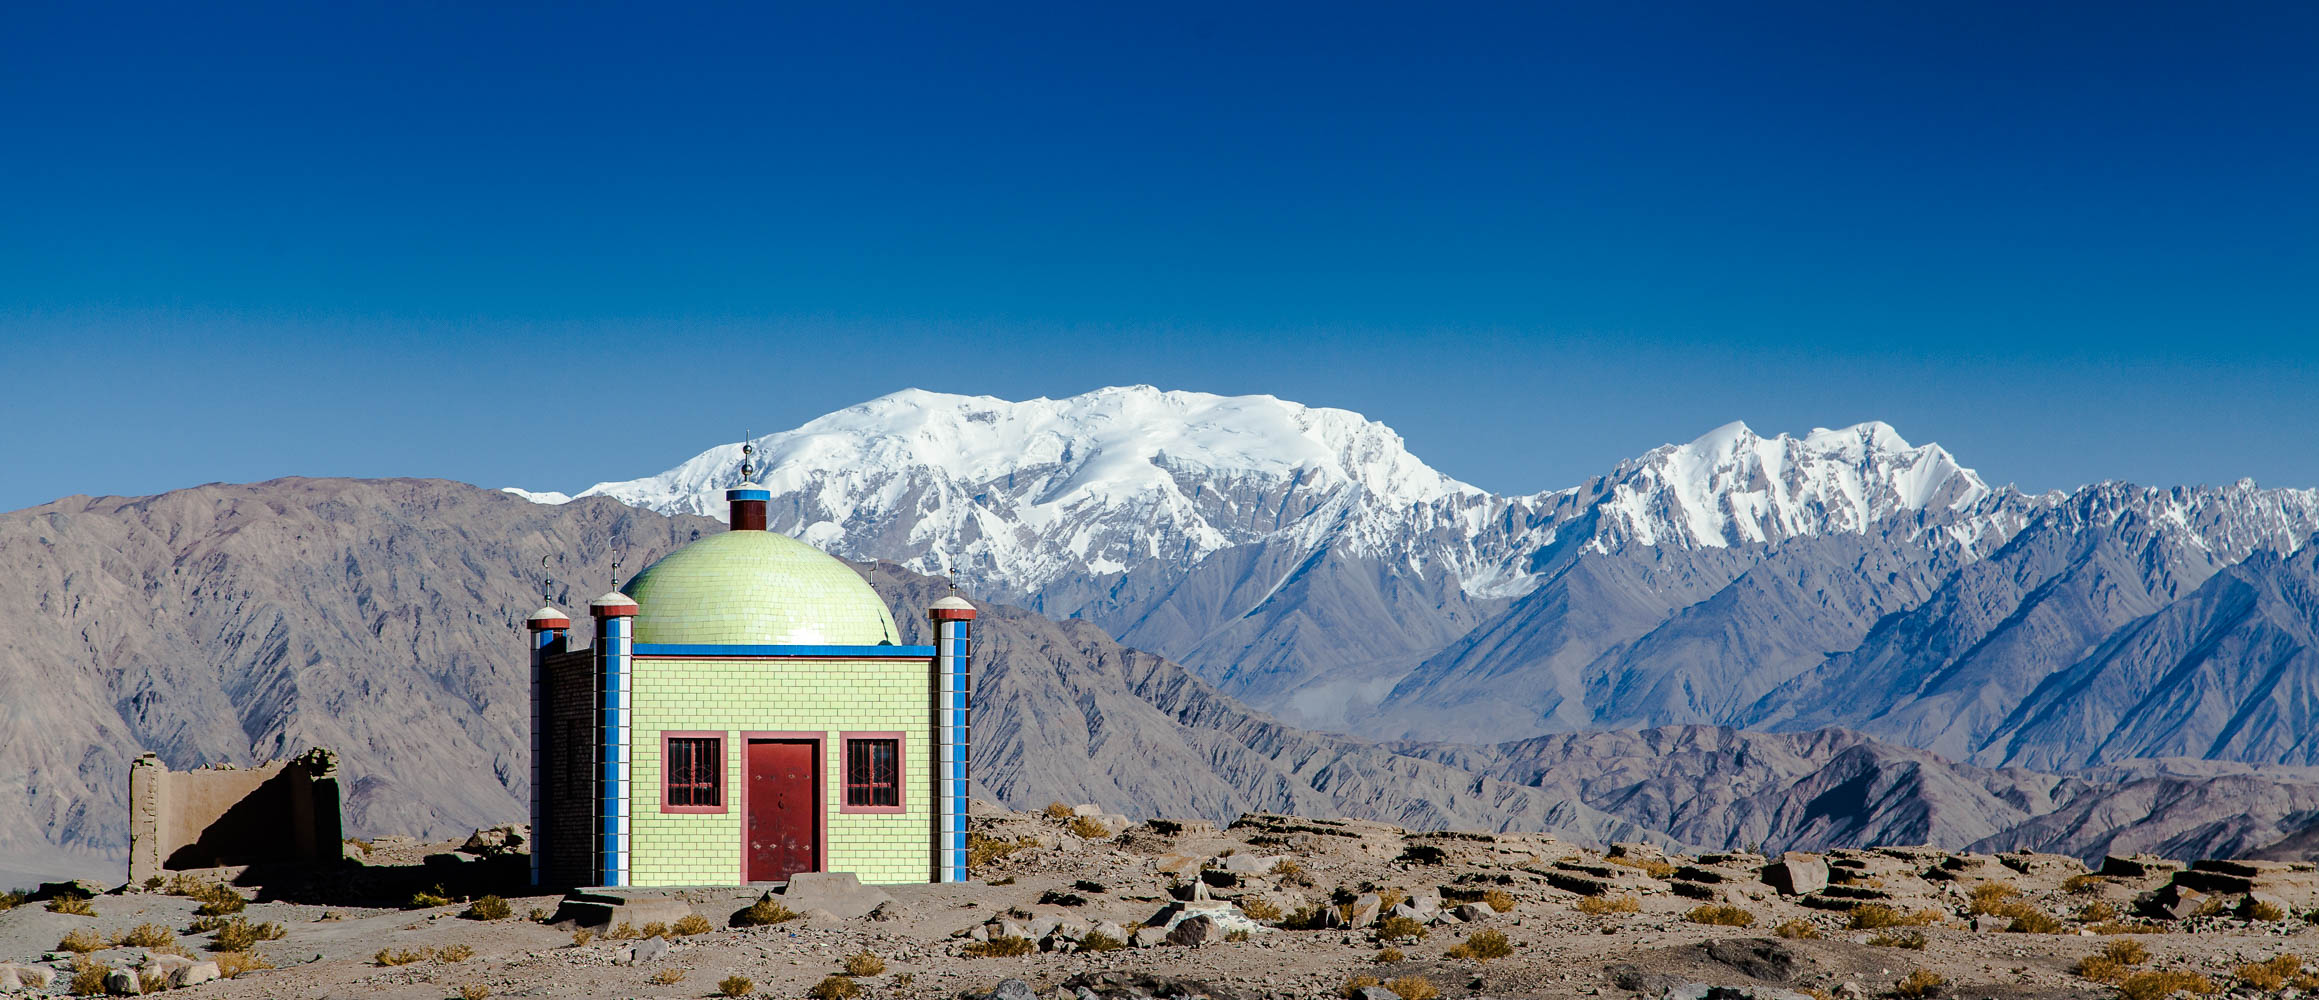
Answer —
(382, 618)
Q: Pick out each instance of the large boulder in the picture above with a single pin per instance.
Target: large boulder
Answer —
(841, 893)
(1195, 931)
(1797, 873)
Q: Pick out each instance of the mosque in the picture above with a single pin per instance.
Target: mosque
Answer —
(746, 712)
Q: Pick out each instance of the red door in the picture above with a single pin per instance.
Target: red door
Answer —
(784, 825)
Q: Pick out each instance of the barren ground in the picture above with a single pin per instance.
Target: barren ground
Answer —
(330, 945)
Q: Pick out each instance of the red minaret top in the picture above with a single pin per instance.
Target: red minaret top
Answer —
(747, 501)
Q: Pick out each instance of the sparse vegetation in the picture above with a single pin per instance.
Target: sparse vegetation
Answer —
(146, 936)
(2125, 927)
(736, 986)
(581, 937)
(454, 953)
(88, 977)
(667, 977)
(2100, 969)
(402, 956)
(1483, 946)
(1237, 934)
(655, 929)
(1874, 916)
(1599, 905)
(1921, 983)
(1097, 941)
(1499, 900)
(1352, 985)
(625, 932)
(2033, 921)
(2083, 884)
(982, 850)
(1721, 915)
(234, 963)
(1799, 930)
(1385, 955)
(474, 991)
(239, 934)
(1259, 908)
(2159, 985)
(1088, 828)
(1991, 898)
(1288, 872)
(1413, 988)
(487, 908)
(2257, 909)
(1654, 867)
(2113, 962)
(1057, 810)
(1911, 940)
(81, 941)
(1399, 929)
(2272, 975)
(763, 913)
(2097, 912)
(1306, 918)
(863, 963)
(999, 947)
(693, 923)
(428, 899)
(76, 905)
(13, 898)
(835, 988)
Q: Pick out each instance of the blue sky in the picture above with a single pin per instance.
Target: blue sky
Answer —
(557, 245)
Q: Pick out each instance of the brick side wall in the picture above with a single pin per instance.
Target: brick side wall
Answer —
(734, 696)
(571, 771)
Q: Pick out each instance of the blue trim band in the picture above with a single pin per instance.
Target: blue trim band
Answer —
(847, 652)
(749, 495)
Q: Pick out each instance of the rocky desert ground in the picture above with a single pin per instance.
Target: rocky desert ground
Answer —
(1075, 904)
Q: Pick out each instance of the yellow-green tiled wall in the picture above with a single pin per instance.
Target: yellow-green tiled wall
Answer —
(744, 695)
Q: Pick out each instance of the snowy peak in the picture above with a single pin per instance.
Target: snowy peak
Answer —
(1022, 493)
(1733, 486)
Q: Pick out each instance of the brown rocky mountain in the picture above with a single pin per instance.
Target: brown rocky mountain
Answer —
(233, 623)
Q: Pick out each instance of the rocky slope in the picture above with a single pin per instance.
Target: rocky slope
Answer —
(380, 617)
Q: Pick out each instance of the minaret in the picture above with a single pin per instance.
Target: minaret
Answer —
(614, 613)
(953, 621)
(548, 630)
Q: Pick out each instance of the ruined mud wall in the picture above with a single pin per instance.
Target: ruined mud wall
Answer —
(284, 810)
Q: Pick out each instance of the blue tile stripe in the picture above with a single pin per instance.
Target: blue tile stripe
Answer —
(844, 652)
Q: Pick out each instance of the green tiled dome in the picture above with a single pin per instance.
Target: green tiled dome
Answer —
(757, 588)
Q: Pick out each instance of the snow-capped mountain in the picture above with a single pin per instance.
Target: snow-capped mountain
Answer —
(1733, 486)
(1017, 495)
(1305, 561)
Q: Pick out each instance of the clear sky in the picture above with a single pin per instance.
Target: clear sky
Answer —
(550, 246)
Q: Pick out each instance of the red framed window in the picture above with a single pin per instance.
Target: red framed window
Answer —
(873, 772)
(692, 772)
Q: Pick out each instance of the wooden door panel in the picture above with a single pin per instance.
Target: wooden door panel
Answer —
(784, 823)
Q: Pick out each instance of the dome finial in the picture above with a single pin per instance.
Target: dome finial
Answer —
(748, 470)
(547, 584)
